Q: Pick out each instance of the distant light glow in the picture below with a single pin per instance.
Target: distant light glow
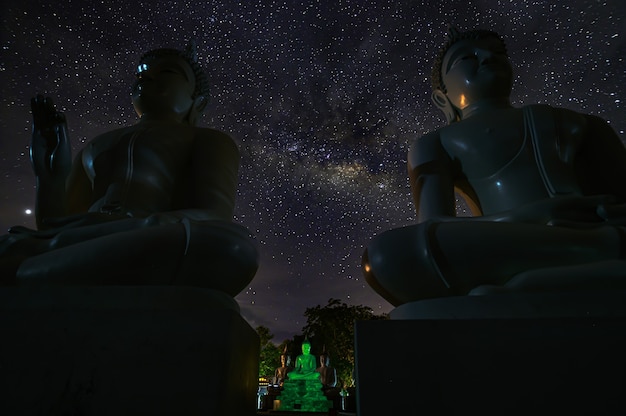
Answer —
(28, 211)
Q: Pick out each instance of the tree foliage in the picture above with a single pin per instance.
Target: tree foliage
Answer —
(332, 327)
(269, 358)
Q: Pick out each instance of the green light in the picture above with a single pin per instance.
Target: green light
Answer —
(304, 396)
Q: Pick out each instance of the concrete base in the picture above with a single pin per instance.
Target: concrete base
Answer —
(125, 351)
(493, 355)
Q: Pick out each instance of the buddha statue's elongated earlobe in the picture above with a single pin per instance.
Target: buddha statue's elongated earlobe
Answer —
(453, 33)
(191, 51)
(443, 103)
(190, 54)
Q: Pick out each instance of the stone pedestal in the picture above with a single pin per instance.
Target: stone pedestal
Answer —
(304, 396)
(125, 351)
(497, 354)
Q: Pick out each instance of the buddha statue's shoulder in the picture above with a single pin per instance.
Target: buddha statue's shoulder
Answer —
(572, 122)
(569, 127)
(560, 115)
(209, 137)
(109, 136)
(425, 149)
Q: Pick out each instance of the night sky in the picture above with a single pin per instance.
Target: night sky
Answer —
(321, 96)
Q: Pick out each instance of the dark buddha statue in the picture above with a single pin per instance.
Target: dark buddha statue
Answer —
(545, 186)
(328, 374)
(151, 203)
(281, 372)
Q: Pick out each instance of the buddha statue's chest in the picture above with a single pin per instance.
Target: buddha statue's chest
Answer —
(483, 146)
(151, 154)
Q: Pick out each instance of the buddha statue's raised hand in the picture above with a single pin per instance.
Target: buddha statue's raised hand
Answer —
(50, 149)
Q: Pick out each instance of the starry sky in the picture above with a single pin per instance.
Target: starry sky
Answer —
(322, 97)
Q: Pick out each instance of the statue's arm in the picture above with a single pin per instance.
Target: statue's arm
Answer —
(78, 187)
(51, 156)
(216, 168)
(600, 162)
(431, 177)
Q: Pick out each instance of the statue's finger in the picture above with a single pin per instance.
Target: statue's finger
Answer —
(37, 99)
(45, 111)
(37, 109)
(49, 104)
(33, 109)
(50, 110)
(59, 117)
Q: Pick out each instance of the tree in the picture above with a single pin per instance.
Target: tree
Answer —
(269, 357)
(332, 327)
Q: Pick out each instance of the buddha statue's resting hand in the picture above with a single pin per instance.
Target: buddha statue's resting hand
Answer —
(172, 217)
(570, 210)
(613, 214)
(55, 225)
(50, 149)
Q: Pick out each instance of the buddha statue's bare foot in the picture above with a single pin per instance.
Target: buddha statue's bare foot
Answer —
(398, 266)
(213, 254)
(19, 244)
(488, 290)
(14, 249)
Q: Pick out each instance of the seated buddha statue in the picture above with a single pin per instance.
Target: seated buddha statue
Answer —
(328, 374)
(305, 365)
(150, 203)
(545, 186)
(280, 374)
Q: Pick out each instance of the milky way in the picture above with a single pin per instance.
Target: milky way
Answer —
(321, 96)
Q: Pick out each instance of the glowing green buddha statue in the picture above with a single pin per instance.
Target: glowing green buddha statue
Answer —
(305, 365)
(302, 390)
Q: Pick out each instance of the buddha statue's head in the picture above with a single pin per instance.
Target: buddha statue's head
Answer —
(471, 66)
(306, 347)
(171, 84)
(324, 359)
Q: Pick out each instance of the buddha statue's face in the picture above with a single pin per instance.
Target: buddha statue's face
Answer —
(306, 349)
(164, 87)
(476, 69)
